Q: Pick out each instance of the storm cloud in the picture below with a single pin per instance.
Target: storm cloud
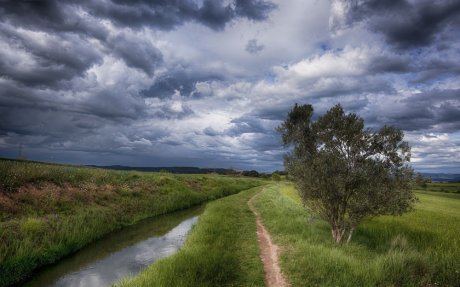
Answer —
(206, 82)
(404, 24)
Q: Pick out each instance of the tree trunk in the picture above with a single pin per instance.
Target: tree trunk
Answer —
(338, 233)
(350, 234)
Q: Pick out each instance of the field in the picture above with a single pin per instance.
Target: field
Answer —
(448, 187)
(49, 211)
(421, 248)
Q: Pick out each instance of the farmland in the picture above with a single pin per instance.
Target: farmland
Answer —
(50, 211)
(420, 248)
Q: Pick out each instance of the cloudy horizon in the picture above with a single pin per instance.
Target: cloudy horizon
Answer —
(204, 83)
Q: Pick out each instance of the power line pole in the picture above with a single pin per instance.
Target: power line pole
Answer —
(20, 155)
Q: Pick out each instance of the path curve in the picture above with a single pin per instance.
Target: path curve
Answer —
(268, 252)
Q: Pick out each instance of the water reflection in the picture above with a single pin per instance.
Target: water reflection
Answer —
(121, 253)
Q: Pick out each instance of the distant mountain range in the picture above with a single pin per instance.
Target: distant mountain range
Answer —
(446, 177)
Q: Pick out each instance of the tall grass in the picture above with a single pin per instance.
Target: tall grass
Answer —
(222, 250)
(49, 211)
(421, 248)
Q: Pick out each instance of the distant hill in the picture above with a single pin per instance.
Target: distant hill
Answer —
(446, 177)
(174, 169)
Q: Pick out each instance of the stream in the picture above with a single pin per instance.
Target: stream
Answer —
(121, 253)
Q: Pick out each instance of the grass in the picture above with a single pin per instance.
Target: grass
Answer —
(451, 187)
(49, 211)
(420, 248)
(222, 250)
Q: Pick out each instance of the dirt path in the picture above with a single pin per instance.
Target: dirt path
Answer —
(268, 252)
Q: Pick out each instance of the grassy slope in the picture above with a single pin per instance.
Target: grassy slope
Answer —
(49, 211)
(416, 249)
(222, 250)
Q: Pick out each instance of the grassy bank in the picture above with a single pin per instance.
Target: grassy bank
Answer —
(421, 248)
(49, 211)
(222, 250)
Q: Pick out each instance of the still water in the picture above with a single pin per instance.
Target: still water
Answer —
(121, 253)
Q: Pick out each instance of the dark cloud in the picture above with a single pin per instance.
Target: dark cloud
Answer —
(429, 70)
(109, 104)
(251, 124)
(431, 110)
(136, 53)
(253, 48)
(45, 63)
(277, 113)
(420, 25)
(214, 15)
(182, 80)
(120, 82)
(51, 16)
(73, 23)
(246, 124)
(209, 131)
(406, 24)
(254, 10)
(162, 14)
(389, 64)
(350, 86)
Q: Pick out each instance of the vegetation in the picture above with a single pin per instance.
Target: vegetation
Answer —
(344, 172)
(441, 187)
(276, 176)
(49, 211)
(419, 248)
(421, 181)
(222, 250)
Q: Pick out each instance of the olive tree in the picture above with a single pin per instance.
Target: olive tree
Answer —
(345, 172)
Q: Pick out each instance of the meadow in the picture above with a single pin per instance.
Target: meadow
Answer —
(449, 187)
(420, 248)
(49, 211)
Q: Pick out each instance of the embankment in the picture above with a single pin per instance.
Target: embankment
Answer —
(221, 250)
(50, 211)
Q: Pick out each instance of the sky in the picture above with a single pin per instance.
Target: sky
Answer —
(204, 82)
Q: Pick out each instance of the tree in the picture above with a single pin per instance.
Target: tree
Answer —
(421, 181)
(252, 173)
(276, 176)
(345, 172)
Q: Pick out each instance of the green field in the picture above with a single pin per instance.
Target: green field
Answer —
(49, 211)
(420, 248)
(450, 187)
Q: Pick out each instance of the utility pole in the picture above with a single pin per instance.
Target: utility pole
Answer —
(20, 155)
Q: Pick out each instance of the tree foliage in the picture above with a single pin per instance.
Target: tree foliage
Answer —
(344, 171)
(421, 181)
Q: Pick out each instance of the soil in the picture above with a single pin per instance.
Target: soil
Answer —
(268, 252)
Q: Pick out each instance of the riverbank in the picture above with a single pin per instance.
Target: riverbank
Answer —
(221, 250)
(49, 211)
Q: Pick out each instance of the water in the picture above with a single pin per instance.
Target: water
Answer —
(121, 253)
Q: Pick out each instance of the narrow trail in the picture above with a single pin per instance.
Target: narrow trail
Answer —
(268, 252)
